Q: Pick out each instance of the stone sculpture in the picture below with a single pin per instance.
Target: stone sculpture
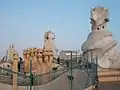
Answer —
(26, 57)
(41, 57)
(100, 41)
(30, 54)
(10, 52)
(49, 44)
(15, 58)
(40, 66)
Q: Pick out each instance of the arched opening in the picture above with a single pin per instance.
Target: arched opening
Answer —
(103, 27)
(97, 28)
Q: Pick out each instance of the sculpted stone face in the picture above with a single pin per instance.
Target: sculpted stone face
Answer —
(27, 55)
(35, 53)
(40, 59)
(24, 54)
(32, 54)
(15, 56)
(49, 35)
(100, 41)
(39, 55)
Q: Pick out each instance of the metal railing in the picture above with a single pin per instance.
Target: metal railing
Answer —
(35, 80)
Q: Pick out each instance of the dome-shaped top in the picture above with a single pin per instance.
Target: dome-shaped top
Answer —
(99, 13)
(49, 35)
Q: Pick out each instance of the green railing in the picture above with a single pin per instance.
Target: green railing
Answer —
(36, 80)
(6, 76)
(24, 80)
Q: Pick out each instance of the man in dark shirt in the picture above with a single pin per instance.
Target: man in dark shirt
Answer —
(58, 60)
(32, 78)
(20, 64)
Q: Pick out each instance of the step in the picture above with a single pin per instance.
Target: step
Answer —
(109, 75)
(109, 79)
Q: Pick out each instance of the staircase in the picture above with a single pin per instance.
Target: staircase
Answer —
(106, 75)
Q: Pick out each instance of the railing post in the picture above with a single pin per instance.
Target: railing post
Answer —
(93, 73)
(15, 69)
(97, 80)
(76, 57)
(31, 76)
(71, 69)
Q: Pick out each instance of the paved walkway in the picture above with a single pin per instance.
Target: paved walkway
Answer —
(60, 83)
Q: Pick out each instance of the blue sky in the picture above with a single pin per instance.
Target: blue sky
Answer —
(23, 22)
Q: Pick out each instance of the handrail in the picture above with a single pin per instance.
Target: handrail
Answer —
(26, 77)
(11, 71)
